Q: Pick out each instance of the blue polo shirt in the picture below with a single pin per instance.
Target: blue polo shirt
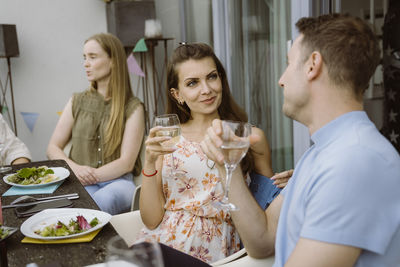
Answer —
(345, 190)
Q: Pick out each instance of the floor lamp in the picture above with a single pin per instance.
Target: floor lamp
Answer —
(8, 48)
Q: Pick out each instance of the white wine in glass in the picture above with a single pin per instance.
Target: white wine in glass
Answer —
(170, 126)
(174, 132)
(235, 143)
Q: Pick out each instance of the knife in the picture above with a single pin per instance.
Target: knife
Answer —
(37, 202)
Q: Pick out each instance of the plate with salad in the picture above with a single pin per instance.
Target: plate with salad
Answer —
(64, 223)
(36, 176)
(6, 232)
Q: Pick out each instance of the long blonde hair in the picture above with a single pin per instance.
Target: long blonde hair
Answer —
(119, 90)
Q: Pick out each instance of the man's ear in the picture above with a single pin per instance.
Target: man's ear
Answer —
(314, 65)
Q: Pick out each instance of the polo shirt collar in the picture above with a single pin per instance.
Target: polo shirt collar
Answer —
(333, 129)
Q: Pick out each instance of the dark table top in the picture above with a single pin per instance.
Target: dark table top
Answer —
(77, 254)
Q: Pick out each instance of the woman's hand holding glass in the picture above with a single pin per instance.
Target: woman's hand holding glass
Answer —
(162, 139)
(169, 133)
(154, 149)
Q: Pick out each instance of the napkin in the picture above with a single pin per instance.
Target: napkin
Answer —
(79, 239)
(46, 189)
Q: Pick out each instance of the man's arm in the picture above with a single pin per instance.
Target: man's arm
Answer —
(14, 150)
(312, 253)
(257, 228)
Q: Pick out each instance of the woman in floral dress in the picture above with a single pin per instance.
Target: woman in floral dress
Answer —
(176, 207)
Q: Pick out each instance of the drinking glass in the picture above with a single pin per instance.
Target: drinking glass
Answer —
(3, 168)
(235, 143)
(143, 254)
(170, 126)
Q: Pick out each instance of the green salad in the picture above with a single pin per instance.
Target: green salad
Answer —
(3, 232)
(29, 176)
(74, 227)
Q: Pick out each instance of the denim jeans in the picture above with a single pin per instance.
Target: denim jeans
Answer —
(114, 196)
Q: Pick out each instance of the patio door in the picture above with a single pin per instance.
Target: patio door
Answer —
(250, 38)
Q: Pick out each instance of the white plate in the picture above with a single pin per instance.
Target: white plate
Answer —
(60, 172)
(52, 216)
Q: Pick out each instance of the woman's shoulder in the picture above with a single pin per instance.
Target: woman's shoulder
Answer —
(258, 131)
(134, 101)
(132, 104)
(81, 98)
(260, 141)
(85, 93)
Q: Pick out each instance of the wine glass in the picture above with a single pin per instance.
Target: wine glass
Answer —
(170, 126)
(3, 168)
(235, 143)
(143, 254)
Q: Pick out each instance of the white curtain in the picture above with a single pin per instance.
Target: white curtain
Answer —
(258, 31)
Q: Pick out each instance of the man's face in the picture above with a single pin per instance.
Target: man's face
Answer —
(293, 81)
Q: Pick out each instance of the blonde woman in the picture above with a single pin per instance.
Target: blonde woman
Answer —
(105, 125)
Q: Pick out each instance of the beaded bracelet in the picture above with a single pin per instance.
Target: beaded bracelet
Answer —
(149, 175)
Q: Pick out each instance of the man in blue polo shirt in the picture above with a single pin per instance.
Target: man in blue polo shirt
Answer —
(342, 205)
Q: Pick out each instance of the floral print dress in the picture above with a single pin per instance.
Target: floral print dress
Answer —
(191, 223)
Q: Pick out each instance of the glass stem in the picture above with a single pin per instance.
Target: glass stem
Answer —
(229, 171)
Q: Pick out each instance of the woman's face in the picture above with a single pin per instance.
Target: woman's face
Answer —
(199, 85)
(97, 63)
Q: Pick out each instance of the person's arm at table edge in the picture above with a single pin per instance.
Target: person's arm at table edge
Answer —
(15, 151)
(20, 161)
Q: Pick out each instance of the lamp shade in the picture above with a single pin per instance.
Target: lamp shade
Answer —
(8, 41)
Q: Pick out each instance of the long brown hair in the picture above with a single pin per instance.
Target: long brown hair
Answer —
(119, 89)
(227, 110)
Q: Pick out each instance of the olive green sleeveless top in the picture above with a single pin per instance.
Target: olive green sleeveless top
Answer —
(91, 114)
